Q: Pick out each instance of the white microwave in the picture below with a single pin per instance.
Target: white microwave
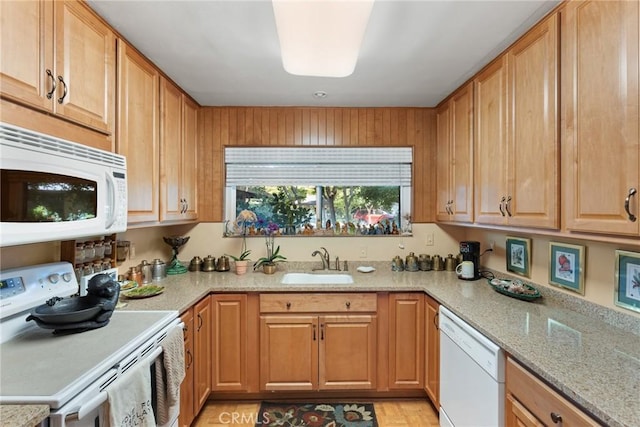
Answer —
(53, 189)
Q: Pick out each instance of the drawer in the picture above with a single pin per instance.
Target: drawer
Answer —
(541, 400)
(318, 303)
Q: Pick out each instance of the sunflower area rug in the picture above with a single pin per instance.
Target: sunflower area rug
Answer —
(316, 415)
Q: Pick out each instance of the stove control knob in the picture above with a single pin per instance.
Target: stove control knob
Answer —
(66, 277)
(53, 278)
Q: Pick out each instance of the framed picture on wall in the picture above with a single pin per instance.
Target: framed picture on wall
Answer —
(627, 290)
(566, 266)
(519, 255)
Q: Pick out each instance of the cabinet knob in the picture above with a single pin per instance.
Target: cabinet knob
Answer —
(556, 418)
(288, 305)
(348, 304)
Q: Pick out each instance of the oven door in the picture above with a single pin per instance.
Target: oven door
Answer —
(90, 407)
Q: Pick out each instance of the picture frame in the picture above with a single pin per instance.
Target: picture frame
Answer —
(518, 255)
(567, 266)
(627, 280)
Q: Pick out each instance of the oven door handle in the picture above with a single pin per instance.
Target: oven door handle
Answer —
(102, 396)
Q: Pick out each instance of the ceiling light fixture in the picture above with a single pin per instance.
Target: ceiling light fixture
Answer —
(320, 94)
(321, 38)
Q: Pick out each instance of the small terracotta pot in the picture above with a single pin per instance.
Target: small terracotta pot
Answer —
(241, 267)
(269, 268)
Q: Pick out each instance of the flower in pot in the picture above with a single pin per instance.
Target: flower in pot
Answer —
(245, 219)
(273, 257)
(242, 261)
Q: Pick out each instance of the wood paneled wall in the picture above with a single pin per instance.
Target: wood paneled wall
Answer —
(302, 126)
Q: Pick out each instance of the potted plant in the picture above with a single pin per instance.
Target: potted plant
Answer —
(243, 221)
(242, 261)
(273, 257)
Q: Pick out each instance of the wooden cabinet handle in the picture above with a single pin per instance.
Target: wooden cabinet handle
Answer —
(507, 206)
(64, 87)
(189, 359)
(632, 192)
(556, 418)
(501, 207)
(53, 84)
(288, 305)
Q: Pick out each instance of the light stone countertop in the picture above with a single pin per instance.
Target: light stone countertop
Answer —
(23, 415)
(588, 352)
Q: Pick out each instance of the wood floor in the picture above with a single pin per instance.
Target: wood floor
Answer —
(391, 413)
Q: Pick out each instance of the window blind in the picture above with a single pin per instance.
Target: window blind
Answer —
(341, 166)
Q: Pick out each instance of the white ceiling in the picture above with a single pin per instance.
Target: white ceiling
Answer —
(414, 53)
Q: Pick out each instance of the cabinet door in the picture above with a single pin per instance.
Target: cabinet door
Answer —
(600, 117)
(137, 132)
(406, 341)
(443, 162)
(202, 352)
(461, 187)
(533, 128)
(432, 353)
(516, 415)
(85, 59)
(170, 151)
(186, 388)
(26, 52)
(289, 352)
(229, 350)
(347, 352)
(189, 160)
(490, 157)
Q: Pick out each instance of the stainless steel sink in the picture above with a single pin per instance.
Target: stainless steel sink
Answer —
(316, 279)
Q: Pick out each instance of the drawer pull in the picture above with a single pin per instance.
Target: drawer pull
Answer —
(288, 305)
(556, 418)
(53, 84)
(348, 304)
(632, 192)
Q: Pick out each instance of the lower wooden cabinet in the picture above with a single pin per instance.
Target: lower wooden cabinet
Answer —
(531, 402)
(202, 352)
(432, 351)
(187, 406)
(406, 340)
(308, 350)
(229, 344)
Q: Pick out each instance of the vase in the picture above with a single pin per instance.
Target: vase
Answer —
(268, 268)
(241, 267)
(290, 230)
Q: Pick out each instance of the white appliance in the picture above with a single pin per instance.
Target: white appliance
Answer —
(71, 372)
(471, 376)
(53, 189)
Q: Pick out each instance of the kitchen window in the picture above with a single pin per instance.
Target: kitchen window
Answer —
(320, 190)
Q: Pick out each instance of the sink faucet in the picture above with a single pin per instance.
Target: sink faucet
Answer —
(324, 256)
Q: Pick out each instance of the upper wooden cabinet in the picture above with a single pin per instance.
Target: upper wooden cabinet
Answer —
(137, 132)
(516, 155)
(178, 154)
(600, 117)
(454, 159)
(59, 57)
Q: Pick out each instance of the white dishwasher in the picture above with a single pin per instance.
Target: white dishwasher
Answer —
(471, 376)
